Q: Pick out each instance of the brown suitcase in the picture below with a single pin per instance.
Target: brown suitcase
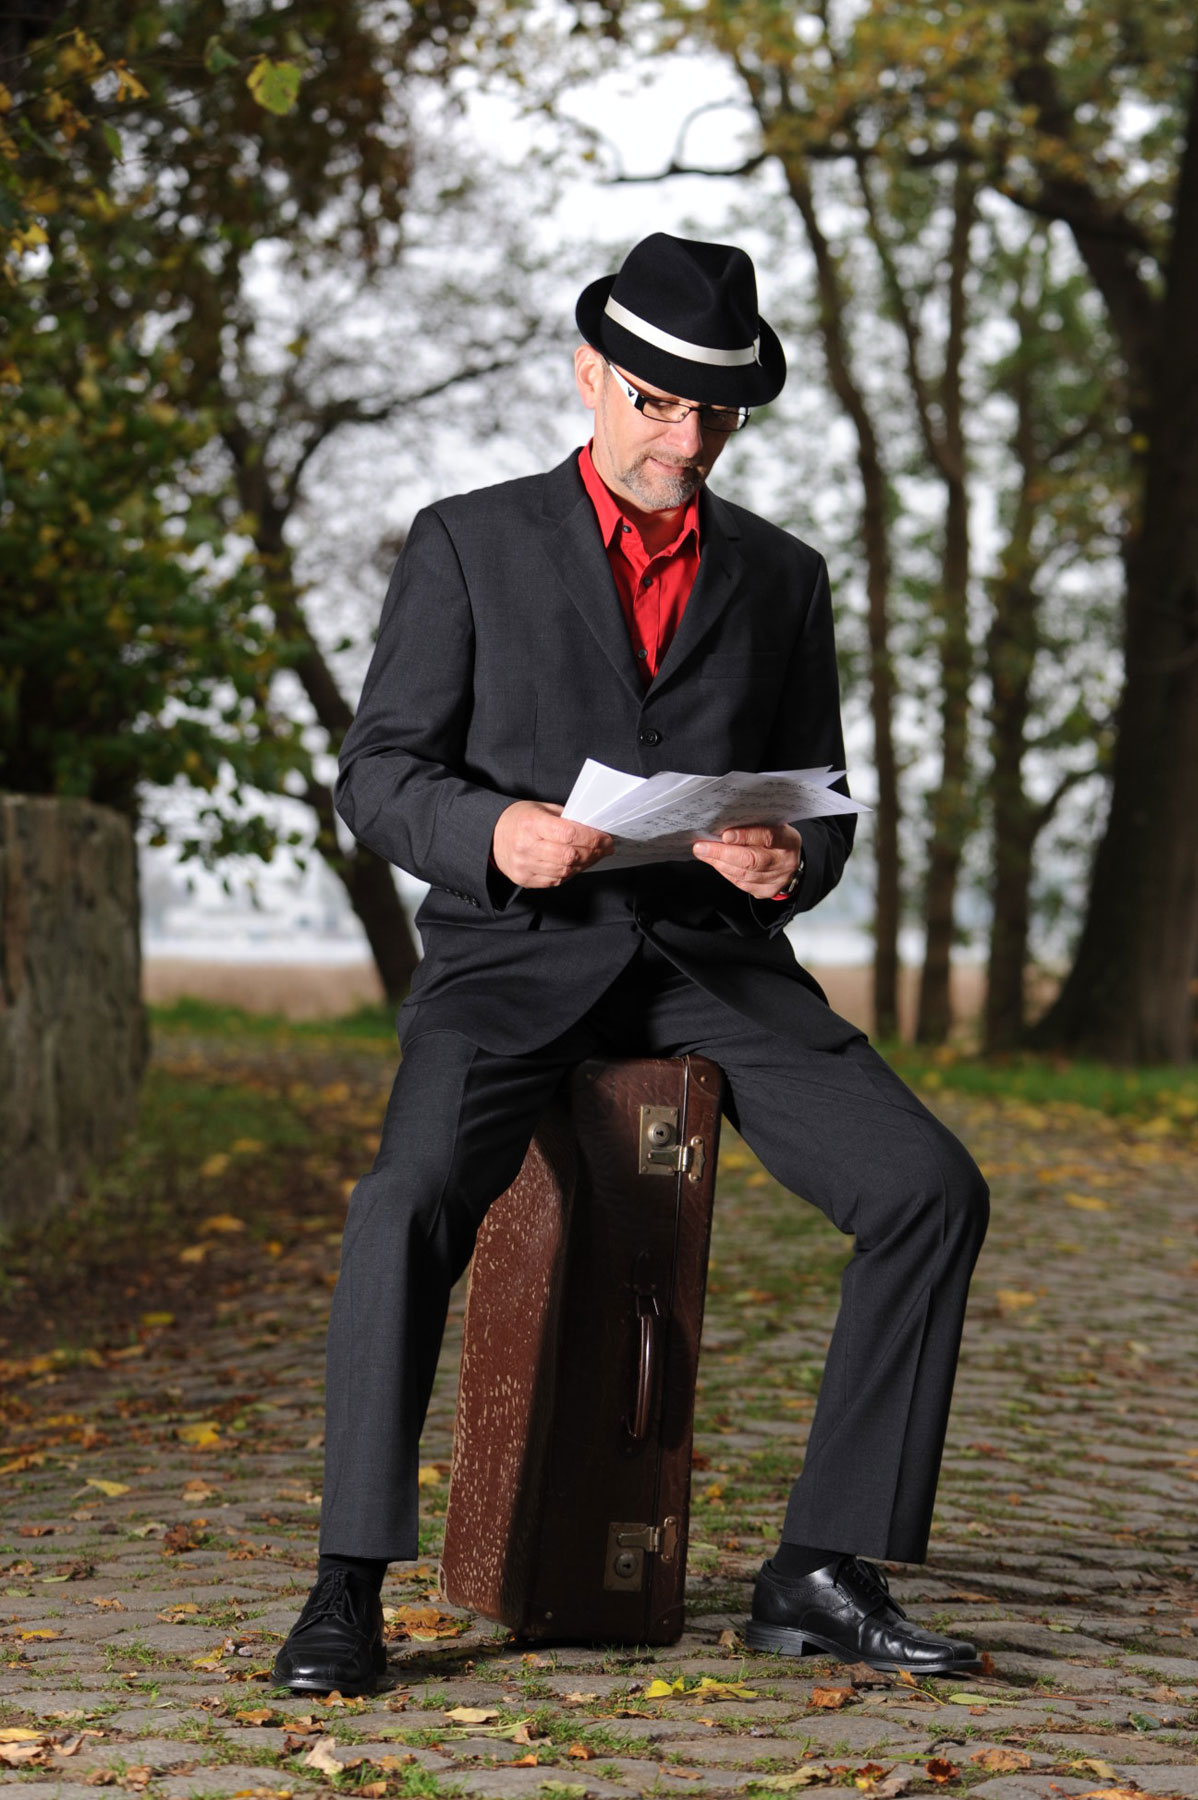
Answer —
(570, 1486)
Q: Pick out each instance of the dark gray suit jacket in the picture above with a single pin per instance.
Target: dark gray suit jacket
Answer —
(502, 661)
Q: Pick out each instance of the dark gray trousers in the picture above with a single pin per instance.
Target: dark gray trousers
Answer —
(837, 1127)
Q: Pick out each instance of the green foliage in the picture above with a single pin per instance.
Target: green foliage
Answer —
(125, 656)
(145, 154)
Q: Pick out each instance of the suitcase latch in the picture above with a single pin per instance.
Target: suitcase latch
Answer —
(661, 1153)
(627, 1545)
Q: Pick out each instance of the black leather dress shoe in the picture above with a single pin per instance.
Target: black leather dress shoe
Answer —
(846, 1610)
(337, 1641)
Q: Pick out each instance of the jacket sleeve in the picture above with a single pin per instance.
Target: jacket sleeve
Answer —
(807, 734)
(403, 786)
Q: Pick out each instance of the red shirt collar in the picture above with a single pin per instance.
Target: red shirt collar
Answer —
(612, 517)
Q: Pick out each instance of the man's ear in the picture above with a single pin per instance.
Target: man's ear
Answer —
(589, 370)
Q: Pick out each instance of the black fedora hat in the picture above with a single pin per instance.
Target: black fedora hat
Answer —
(683, 315)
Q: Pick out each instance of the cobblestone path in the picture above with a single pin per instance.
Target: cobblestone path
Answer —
(160, 1505)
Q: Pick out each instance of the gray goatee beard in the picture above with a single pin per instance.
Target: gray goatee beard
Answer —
(659, 492)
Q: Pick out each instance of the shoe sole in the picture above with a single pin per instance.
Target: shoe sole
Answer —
(790, 1642)
(297, 1684)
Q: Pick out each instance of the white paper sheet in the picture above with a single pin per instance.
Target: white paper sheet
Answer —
(657, 818)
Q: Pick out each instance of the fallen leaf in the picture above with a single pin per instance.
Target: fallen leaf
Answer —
(986, 1665)
(1112, 1793)
(374, 1789)
(428, 1475)
(194, 1253)
(580, 1752)
(578, 1699)
(225, 1222)
(175, 1615)
(138, 1777)
(110, 1489)
(321, 1757)
(35, 1531)
(862, 1676)
(20, 1734)
(889, 1788)
(153, 1528)
(256, 1715)
(71, 1571)
(197, 1490)
(204, 1435)
(178, 1540)
(940, 1770)
(215, 1164)
(1097, 1766)
(40, 1632)
(832, 1698)
(108, 1603)
(807, 1775)
(980, 1700)
(473, 1715)
(1004, 1762)
(13, 1755)
(728, 1640)
(426, 1622)
(1014, 1299)
(156, 1321)
(526, 1762)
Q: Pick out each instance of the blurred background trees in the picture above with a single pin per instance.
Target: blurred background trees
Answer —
(249, 246)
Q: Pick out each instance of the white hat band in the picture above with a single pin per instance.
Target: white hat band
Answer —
(664, 340)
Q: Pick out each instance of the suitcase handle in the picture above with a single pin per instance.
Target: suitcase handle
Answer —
(646, 1372)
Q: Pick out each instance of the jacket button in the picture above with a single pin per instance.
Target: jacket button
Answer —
(650, 737)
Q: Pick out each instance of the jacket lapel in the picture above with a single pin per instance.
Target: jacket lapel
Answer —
(721, 568)
(575, 548)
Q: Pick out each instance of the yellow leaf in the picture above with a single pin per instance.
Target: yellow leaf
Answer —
(1087, 1202)
(18, 1734)
(40, 1632)
(472, 1715)
(429, 1475)
(128, 86)
(109, 1488)
(195, 1253)
(202, 1436)
(222, 1221)
(153, 1320)
(216, 1164)
(1014, 1299)
(274, 85)
(661, 1690)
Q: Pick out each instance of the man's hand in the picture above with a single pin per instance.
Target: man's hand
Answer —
(536, 848)
(759, 859)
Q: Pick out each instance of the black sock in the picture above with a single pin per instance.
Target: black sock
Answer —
(792, 1560)
(367, 1568)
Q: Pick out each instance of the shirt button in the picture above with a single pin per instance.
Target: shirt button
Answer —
(642, 654)
(626, 528)
(650, 737)
(646, 581)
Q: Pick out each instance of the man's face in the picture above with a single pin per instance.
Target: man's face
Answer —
(654, 465)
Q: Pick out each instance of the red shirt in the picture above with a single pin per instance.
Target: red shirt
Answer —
(654, 589)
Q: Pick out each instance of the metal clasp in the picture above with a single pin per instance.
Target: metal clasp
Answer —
(628, 1544)
(660, 1151)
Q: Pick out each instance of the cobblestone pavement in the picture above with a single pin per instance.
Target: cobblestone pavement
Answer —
(160, 1505)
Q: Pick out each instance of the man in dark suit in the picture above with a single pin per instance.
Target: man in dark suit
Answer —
(616, 608)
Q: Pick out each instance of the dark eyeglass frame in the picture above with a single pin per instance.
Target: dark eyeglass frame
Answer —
(678, 410)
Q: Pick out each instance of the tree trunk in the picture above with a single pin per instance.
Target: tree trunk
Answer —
(367, 880)
(371, 888)
(875, 533)
(1127, 995)
(951, 803)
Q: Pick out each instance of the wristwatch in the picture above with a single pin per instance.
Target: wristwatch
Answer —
(792, 886)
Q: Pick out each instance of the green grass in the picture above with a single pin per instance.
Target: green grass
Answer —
(1052, 1080)
(368, 1025)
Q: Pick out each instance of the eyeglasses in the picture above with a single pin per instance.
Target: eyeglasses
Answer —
(672, 412)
